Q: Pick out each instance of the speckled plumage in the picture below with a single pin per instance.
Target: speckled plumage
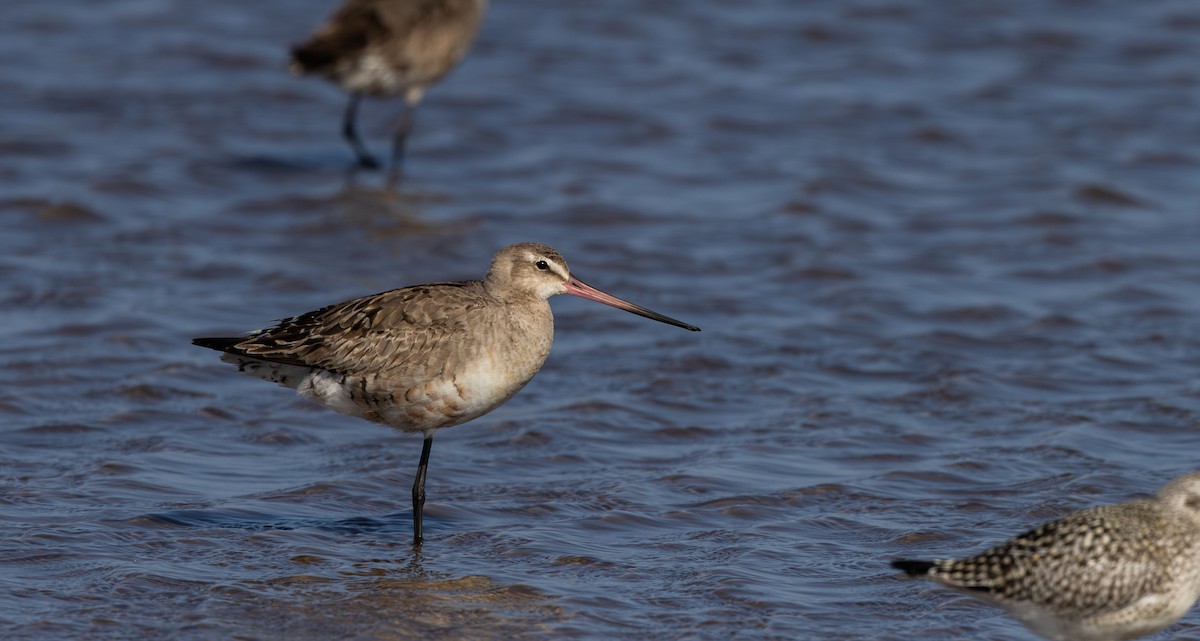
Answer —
(1101, 574)
(386, 48)
(425, 357)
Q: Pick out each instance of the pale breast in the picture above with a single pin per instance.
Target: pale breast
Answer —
(372, 73)
(478, 375)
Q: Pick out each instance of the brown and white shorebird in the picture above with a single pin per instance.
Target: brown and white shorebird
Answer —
(388, 48)
(1102, 574)
(424, 357)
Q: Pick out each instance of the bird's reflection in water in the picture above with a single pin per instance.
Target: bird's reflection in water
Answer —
(389, 211)
(418, 604)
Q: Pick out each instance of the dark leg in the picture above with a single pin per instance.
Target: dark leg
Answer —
(402, 128)
(419, 490)
(351, 136)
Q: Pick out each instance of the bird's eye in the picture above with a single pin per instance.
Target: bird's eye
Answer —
(542, 265)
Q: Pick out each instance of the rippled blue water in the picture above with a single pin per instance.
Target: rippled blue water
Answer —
(944, 255)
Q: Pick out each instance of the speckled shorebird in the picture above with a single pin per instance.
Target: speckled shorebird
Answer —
(1102, 574)
(424, 357)
(387, 48)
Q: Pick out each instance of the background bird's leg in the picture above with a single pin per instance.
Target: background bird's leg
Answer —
(418, 490)
(403, 126)
(351, 134)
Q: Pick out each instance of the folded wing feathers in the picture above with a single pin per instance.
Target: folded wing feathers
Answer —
(388, 330)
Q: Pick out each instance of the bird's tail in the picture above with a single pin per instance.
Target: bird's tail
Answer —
(312, 57)
(913, 568)
(220, 344)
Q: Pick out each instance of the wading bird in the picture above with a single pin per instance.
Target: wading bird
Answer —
(388, 48)
(1102, 574)
(424, 357)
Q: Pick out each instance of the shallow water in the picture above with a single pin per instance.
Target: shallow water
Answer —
(945, 259)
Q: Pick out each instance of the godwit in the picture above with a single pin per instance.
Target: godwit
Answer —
(389, 47)
(1102, 574)
(424, 357)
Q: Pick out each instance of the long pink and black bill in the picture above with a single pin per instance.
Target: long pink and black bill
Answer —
(576, 287)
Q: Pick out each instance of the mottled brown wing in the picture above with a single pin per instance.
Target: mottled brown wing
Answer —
(401, 329)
